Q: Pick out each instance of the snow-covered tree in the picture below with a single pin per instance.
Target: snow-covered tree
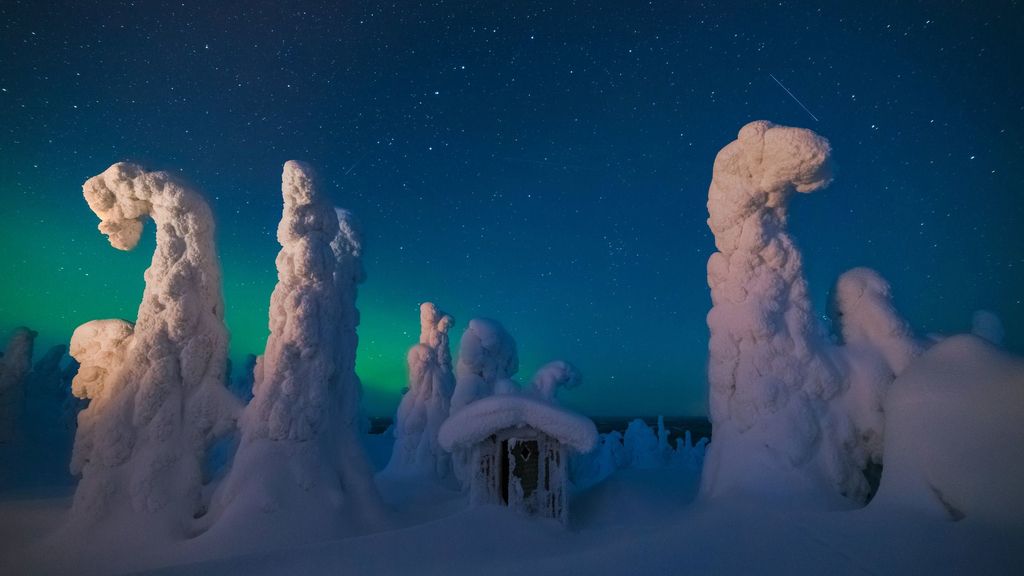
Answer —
(14, 367)
(424, 407)
(300, 470)
(487, 354)
(44, 400)
(157, 388)
(241, 385)
(770, 377)
(552, 376)
(877, 346)
(642, 447)
(46, 375)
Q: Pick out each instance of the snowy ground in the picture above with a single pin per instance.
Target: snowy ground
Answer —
(635, 522)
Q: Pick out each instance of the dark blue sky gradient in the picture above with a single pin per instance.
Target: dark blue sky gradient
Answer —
(542, 163)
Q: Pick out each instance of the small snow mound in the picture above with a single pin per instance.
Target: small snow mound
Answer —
(987, 325)
(554, 375)
(489, 415)
(953, 441)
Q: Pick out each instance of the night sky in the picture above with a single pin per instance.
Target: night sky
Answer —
(545, 164)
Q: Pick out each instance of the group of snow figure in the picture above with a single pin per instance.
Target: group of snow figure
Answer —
(797, 416)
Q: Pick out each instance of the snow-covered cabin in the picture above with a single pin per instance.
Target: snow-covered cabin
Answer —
(518, 448)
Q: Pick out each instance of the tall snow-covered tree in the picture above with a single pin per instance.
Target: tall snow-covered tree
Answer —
(157, 387)
(424, 407)
(300, 468)
(770, 375)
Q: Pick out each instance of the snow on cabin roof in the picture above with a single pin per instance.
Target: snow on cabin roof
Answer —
(486, 416)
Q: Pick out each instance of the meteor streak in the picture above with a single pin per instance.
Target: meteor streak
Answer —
(797, 100)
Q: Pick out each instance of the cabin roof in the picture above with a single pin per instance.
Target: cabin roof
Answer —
(486, 416)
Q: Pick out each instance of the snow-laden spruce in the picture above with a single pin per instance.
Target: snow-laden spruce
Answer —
(156, 388)
(241, 384)
(47, 374)
(45, 400)
(14, 367)
(770, 377)
(487, 355)
(424, 407)
(877, 345)
(300, 471)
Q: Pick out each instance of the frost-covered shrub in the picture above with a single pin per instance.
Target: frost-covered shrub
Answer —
(641, 448)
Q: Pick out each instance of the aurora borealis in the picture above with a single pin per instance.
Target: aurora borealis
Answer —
(517, 162)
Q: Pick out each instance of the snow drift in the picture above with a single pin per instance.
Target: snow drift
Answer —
(156, 388)
(954, 444)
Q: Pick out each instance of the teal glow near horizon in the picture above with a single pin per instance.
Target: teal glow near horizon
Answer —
(518, 162)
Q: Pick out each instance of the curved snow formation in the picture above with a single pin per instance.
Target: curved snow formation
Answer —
(495, 413)
(424, 407)
(15, 364)
(862, 307)
(162, 402)
(769, 374)
(554, 375)
(487, 354)
(299, 457)
(954, 445)
(878, 345)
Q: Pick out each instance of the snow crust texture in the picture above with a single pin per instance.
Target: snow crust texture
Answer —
(299, 457)
(425, 406)
(156, 387)
(771, 380)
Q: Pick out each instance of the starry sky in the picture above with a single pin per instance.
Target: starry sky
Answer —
(542, 163)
